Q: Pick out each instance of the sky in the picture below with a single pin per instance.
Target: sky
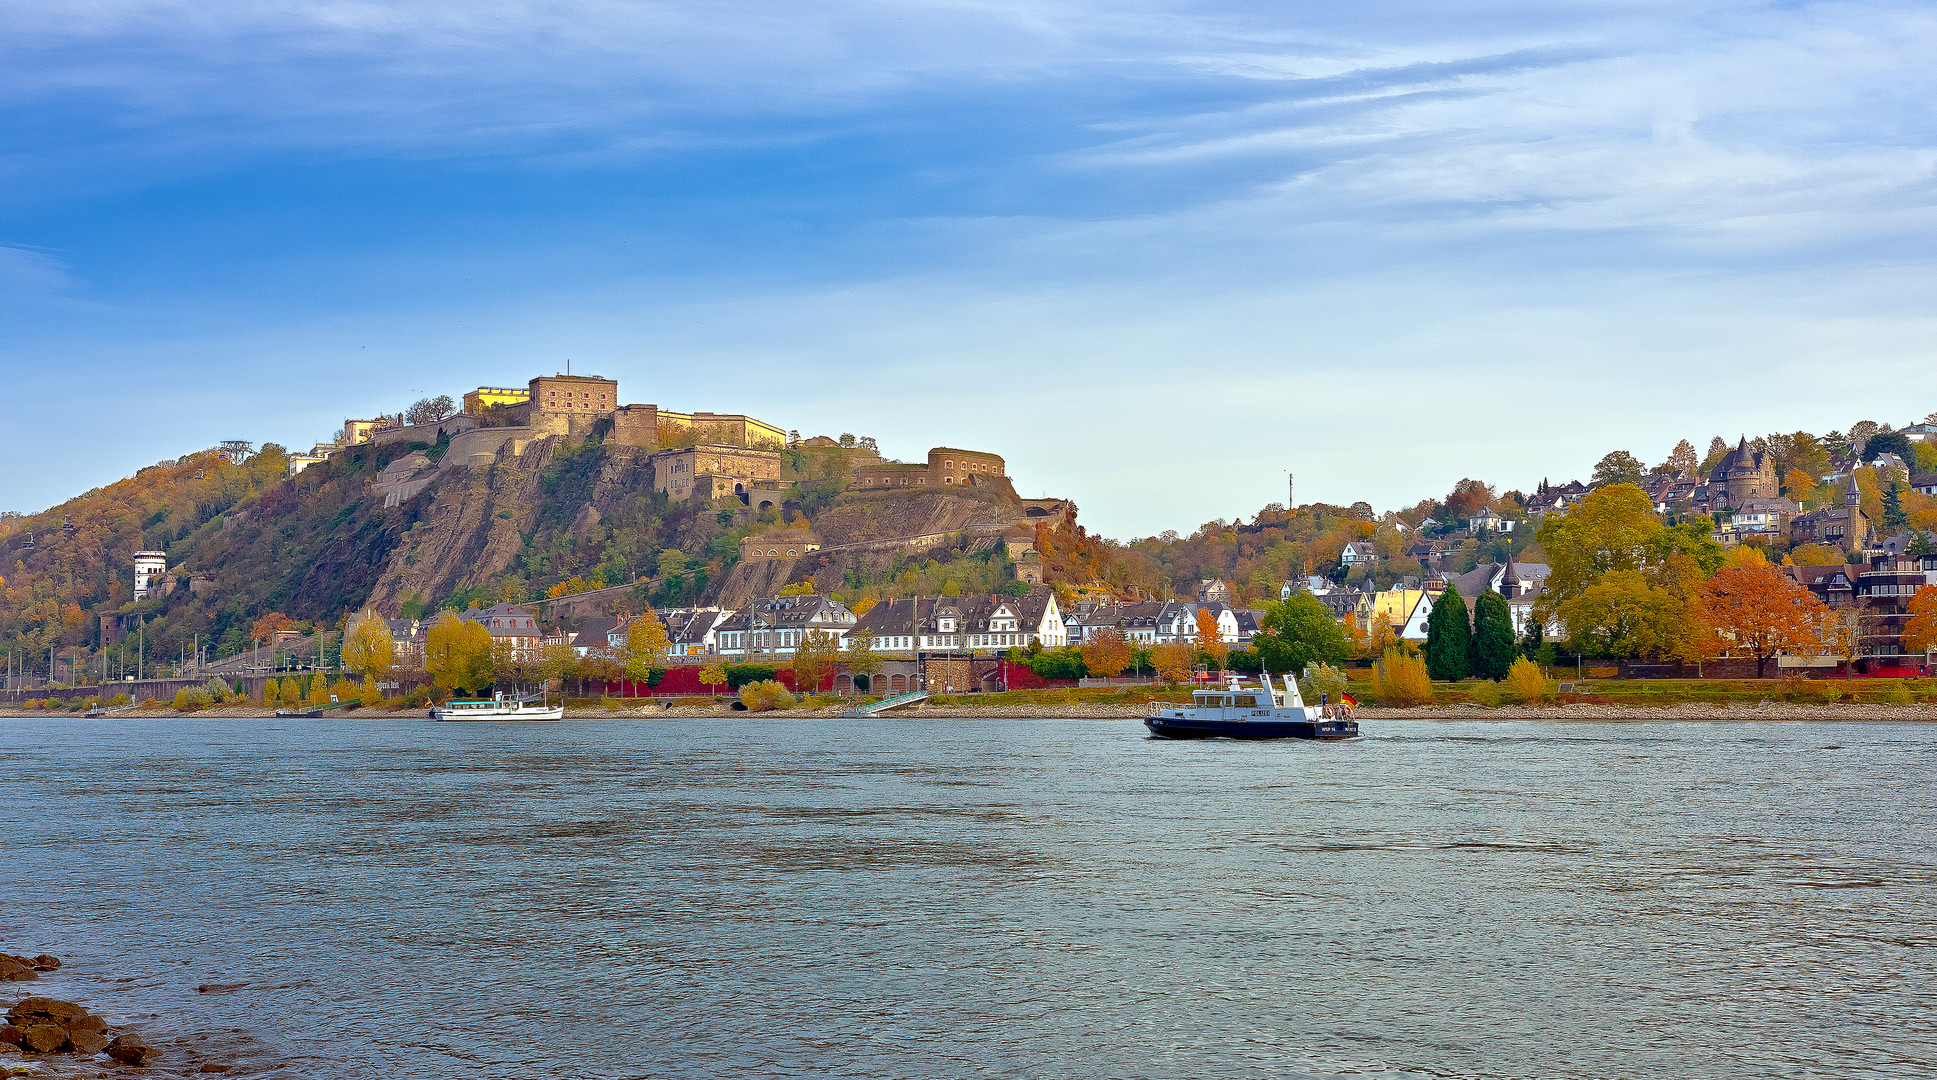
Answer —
(1156, 254)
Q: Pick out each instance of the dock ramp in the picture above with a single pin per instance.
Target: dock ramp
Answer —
(913, 697)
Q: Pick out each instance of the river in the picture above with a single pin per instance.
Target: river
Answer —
(954, 898)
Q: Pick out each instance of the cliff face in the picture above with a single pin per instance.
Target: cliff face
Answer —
(856, 516)
(480, 517)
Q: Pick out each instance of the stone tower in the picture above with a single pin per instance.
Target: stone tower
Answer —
(1746, 474)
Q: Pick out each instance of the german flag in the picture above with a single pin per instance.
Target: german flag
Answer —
(1349, 700)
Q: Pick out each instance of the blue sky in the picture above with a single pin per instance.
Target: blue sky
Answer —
(1154, 253)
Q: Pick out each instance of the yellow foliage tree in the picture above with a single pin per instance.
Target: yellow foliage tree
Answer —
(863, 606)
(1815, 555)
(798, 588)
(271, 693)
(644, 646)
(368, 694)
(1173, 663)
(457, 653)
(713, 674)
(1401, 680)
(1525, 682)
(319, 690)
(367, 648)
(570, 586)
(290, 692)
(1745, 555)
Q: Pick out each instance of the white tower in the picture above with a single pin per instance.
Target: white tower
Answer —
(150, 568)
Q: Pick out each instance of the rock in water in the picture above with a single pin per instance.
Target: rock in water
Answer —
(86, 1043)
(10, 1035)
(43, 1038)
(60, 1012)
(130, 1050)
(12, 970)
(88, 1023)
(44, 962)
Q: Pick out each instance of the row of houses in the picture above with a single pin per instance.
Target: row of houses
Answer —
(774, 627)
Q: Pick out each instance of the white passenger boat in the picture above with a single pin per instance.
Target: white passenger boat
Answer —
(500, 707)
(1235, 711)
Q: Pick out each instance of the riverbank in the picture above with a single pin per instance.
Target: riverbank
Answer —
(1576, 711)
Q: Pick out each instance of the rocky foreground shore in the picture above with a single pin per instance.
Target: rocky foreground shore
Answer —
(1719, 711)
(39, 1027)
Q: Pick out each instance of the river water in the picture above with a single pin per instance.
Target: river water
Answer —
(908, 898)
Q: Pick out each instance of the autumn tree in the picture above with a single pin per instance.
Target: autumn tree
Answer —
(1619, 467)
(1622, 615)
(367, 647)
(1467, 498)
(713, 674)
(1682, 458)
(1298, 632)
(1173, 663)
(1493, 646)
(1760, 611)
(1108, 653)
(814, 657)
(268, 626)
(1209, 640)
(1920, 633)
(643, 646)
(457, 653)
(1448, 637)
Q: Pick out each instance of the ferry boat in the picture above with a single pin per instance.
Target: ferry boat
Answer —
(500, 707)
(1234, 711)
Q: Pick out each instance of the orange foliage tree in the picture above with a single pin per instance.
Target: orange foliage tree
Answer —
(1758, 610)
(1920, 633)
(1108, 655)
(1208, 639)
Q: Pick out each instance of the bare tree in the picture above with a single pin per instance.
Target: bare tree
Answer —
(430, 410)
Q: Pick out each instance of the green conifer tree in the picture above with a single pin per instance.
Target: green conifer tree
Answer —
(1448, 637)
(1531, 641)
(1894, 516)
(1493, 650)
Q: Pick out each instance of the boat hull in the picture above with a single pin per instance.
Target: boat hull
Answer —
(1178, 727)
(556, 712)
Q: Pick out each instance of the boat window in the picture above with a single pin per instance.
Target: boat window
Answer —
(1246, 701)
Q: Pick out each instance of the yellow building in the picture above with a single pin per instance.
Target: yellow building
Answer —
(357, 432)
(483, 397)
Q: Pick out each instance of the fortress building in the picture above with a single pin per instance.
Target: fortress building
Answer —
(947, 467)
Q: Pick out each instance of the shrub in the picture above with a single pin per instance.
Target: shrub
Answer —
(764, 695)
(417, 697)
(1831, 693)
(1794, 687)
(741, 675)
(1899, 694)
(181, 700)
(609, 704)
(1485, 693)
(1401, 680)
(1525, 683)
(368, 695)
(392, 704)
(122, 699)
(1321, 681)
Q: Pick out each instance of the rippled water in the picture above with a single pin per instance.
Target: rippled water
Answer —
(902, 898)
